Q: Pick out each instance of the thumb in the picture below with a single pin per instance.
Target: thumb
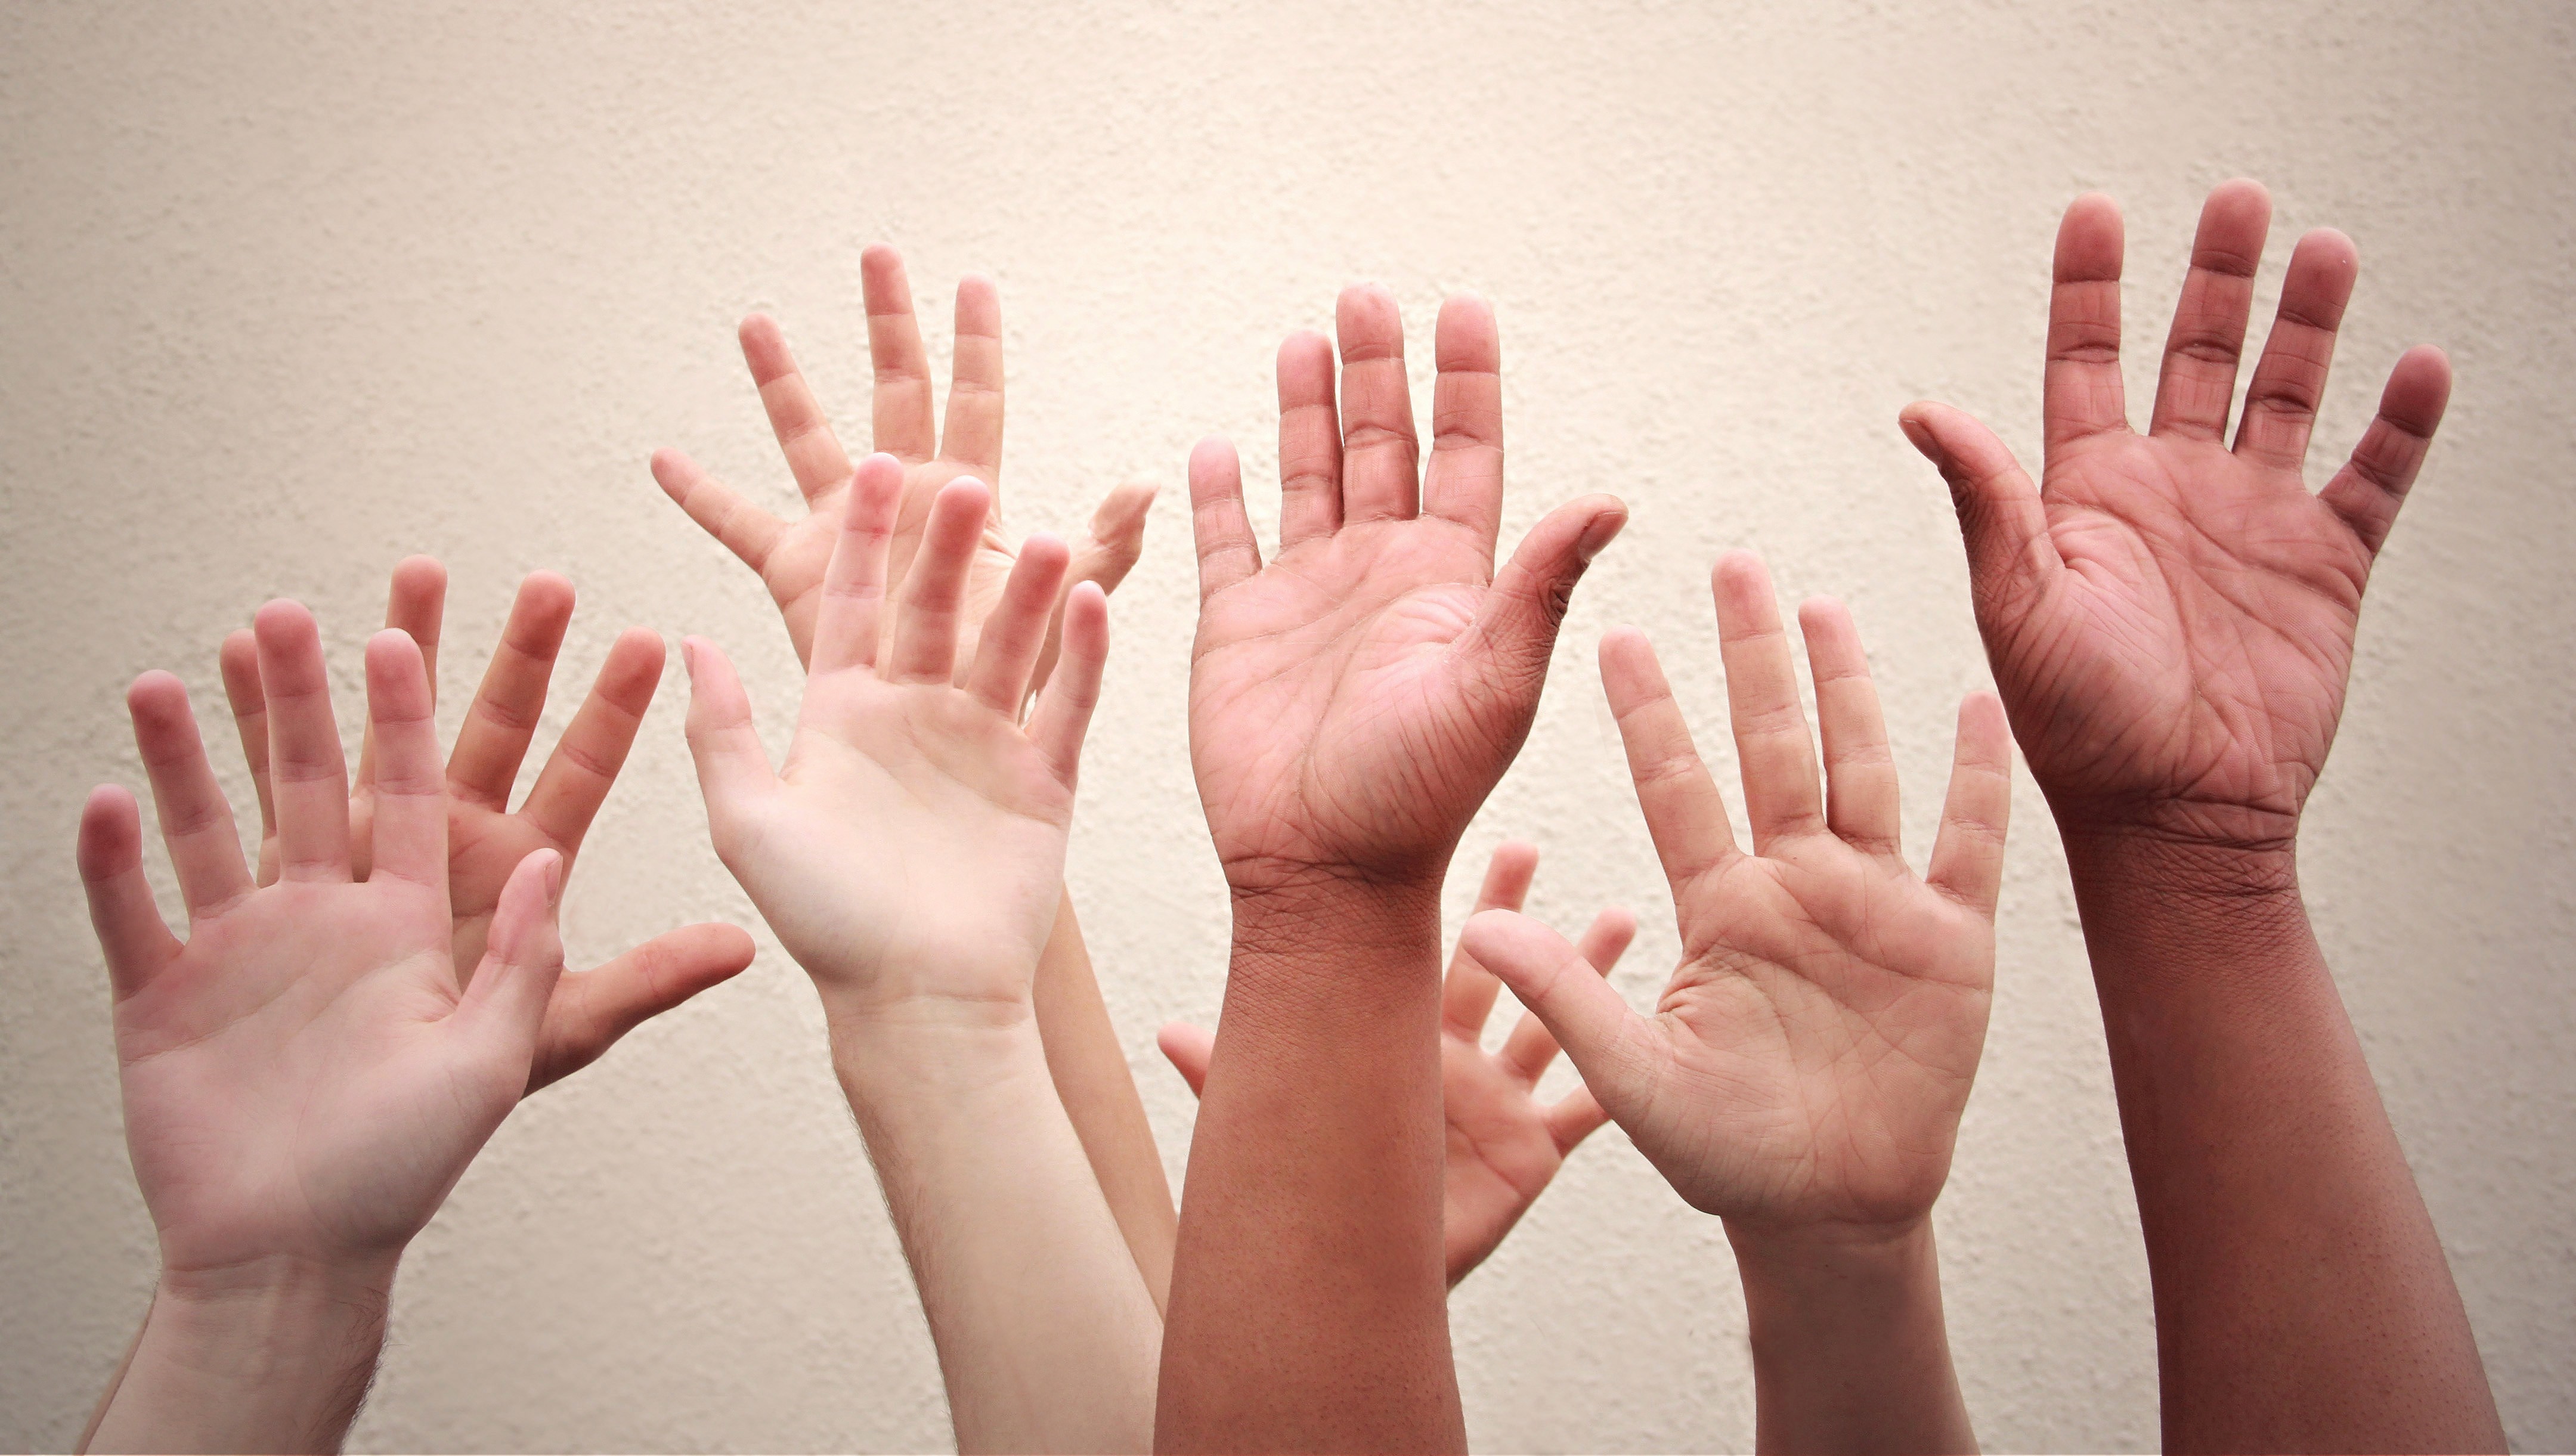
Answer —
(2001, 519)
(592, 1009)
(1531, 592)
(731, 763)
(505, 1004)
(1189, 1048)
(1616, 1050)
(1103, 556)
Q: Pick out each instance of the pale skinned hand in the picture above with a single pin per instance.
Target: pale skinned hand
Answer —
(2171, 618)
(1352, 702)
(306, 1075)
(1505, 1144)
(911, 852)
(790, 555)
(485, 840)
(1807, 1064)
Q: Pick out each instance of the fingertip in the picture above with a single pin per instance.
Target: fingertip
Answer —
(640, 645)
(2239, 196)
(2418, 390)
(1211, 458)
(549, 593)
(1046, 549)
(1739, 572)
(155, 693)
(879, 259)
(734, 949)
(110, 840)
(282, 623)
(420, 573)
(2089, 240)
(1609, 516)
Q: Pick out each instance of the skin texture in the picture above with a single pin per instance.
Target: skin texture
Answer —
(1351, 704)
(1083, 1052)
(2170, 618)
(1504, 1144)
(485, 839)
(910, 855)
(1804, 1072)
(305, 1076)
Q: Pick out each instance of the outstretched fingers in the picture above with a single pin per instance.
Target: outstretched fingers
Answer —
(973, 434)
(2011, 556)
(934, 588)
(1464, 481)
(110, 854)
(733, 769)
(1531, 1046)
(1467, 993)
(409, 837)
(239, 659)
(2207, 343)
(2372, 485)
(901, 401)
(1006, 652)
(1861, 802)
(2281, 402)
(1063, 712)
(1227, 551)
(746, 530)
(1685, 815)
(1777, 755)
(591, 1009)
(1310, 441)
(1618, 1052)
(1381, 456)
(579, 773)
(308, 774)
(1968, 854)
(196, 821)
(503, 1012)
(796, 417)
(2083, 394)
(850, 620)
(503, 718)
(1530, 595)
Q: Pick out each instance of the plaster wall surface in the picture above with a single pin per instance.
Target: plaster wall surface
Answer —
(293, 290)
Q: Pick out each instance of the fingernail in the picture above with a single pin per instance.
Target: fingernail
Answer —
(554, 876)
(1919, 437)
(1604, 529)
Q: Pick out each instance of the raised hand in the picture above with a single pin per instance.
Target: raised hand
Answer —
(1807, 1064)
(1505, 1145)
(485, 840)
(1352, 702)
(912, 849)
(2171, 617)
(790, 556)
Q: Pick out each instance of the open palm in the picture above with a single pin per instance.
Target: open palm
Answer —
(2171, 618)
(955, 813)
(486, 839)
(1808, 1062)
(305, 1075)
(1352, 702)
(791, 555)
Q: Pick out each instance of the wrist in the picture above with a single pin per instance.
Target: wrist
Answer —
(1887, 1255)
(270, 1354)
(2191, 855)
(935, 1061)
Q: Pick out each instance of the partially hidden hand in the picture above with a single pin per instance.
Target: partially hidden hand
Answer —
(307, 1074)
(1505, 1145)
(1807, 1064)
(1353, 701)
(485, 840)
(2170, 617)
(791, 555)
(910, 854)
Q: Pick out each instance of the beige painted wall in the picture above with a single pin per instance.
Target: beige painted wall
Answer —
(290, 291)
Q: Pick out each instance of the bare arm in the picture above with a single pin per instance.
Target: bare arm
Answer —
(2171, 620)
(1098, 1090)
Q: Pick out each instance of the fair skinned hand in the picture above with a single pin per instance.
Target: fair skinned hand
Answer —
(911, 852)
(1352, 702)
(1807, 1064)
(2170, 617)
(790, 556)
(592, 1009)
(306, 1075)
(1505, 1145)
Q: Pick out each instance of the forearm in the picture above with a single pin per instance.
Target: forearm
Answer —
(1099, 1094)
(1047, 1338)
(1850, 1352)
(2302, 1298)
(1308, 1306)
(274, 1357)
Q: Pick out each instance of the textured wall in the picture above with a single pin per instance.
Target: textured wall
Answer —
(292, 291)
